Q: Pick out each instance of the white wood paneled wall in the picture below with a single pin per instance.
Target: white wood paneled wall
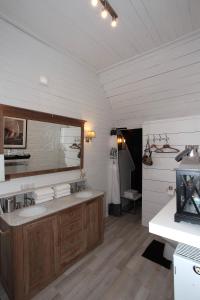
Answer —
(161, 84)
(73, 91)
(157, 178)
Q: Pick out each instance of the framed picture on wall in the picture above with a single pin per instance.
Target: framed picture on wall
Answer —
(15, 133)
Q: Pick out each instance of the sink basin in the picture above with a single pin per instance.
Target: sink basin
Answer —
(84, 194)
(32, 211)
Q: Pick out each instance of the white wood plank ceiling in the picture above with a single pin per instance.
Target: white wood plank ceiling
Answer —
(75, 27)
(162, 84)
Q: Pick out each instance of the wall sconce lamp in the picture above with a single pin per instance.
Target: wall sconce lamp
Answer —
(90, 134)
(121, 140)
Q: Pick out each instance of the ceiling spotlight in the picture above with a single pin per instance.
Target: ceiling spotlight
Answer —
(106, 10)
(114, 22)
(104, 13)
(94, 3)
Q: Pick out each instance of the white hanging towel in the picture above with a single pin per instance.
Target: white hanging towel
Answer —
(126, 167)
(114, 175)
(115, 196)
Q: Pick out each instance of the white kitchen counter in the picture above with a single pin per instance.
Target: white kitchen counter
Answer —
(163, 225)
(53, 206)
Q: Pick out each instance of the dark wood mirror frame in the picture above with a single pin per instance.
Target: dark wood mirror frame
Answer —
(11, 111)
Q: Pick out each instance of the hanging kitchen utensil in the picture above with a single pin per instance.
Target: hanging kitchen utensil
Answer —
(155, 147)
(147, 159)
(166, 148)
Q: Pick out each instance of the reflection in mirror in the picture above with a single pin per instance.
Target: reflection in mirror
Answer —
(33, 146)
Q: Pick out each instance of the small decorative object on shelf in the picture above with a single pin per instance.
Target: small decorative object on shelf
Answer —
(17, 156)
(188, 187)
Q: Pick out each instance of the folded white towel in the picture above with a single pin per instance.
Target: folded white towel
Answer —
(41, 195)
(134, 197)
(44, 197)
(131, 192)
(62, 195)
(50, 193)
(43, 191)
(62, 192)
(60, 187)
(42, 201)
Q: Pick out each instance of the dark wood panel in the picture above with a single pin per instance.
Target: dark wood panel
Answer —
(70, 215)
(11, 260)
(11, 111)
(18, 262)
(40, 252)
(34, 254)
(94, 222)
(72, 235)
(6, 261)
(1, 132)
(41, 172)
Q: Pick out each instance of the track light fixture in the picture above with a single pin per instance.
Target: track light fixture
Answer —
(107, 9)
(94, 2)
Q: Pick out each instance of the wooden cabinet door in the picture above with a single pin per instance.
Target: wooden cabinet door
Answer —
(6, 260)
(40, 253)
(94, 222)
(72, 235)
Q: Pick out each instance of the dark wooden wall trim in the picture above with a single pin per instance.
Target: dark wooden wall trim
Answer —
(41, 172)
(11, 111)
(17, 112)
(1, 133)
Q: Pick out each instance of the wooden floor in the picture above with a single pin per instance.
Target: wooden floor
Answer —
(115, 270)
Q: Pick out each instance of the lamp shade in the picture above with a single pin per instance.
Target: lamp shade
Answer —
(90, 135)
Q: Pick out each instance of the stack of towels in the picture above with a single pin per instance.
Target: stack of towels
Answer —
(43, 194)
(62, 190)
(132, 194)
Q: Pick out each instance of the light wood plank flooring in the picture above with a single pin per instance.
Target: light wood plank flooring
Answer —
(115, 270)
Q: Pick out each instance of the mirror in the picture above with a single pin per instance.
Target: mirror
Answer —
(33, 146)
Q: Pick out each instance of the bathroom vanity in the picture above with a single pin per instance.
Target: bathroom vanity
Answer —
(37, 249)
(37, 244)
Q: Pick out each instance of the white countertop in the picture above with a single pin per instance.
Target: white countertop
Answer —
(163, 225)
(53, 206)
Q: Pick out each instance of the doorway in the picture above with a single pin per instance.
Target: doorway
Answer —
(133, 141)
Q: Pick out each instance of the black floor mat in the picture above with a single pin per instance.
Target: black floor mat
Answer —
(154, 252)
